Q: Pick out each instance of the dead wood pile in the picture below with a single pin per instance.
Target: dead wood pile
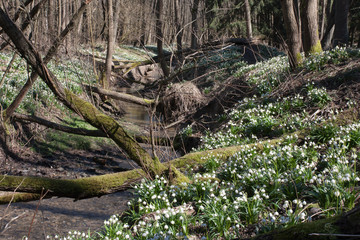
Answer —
(180, 99)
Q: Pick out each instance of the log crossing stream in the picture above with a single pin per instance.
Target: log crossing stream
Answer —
(58, 216)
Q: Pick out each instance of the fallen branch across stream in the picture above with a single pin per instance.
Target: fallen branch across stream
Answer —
(119, 96)
(96, 186)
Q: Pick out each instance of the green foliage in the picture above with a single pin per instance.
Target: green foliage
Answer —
(317, 96)
(317, 61)
(323, 134)
(70, 74)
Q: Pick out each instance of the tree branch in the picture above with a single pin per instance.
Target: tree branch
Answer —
(49, 124)
(119, 96)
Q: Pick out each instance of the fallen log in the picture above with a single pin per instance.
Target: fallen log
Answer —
(96, 186)
(345, 226)
(119, 96)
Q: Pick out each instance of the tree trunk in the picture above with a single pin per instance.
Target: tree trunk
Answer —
(323, 17)
(292, 32)
(194, 24)
(85, 109)
(28, 19)
(179, 31)
(160, 37)
(248, 19)
(110, 45)
(341, 33)
(328, 35)
(309, 23)
(120, 96)
(51, 18)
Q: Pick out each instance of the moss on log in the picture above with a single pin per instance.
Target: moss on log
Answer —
(345, 226)
(109, 183)
(73, 188)
(18, 197)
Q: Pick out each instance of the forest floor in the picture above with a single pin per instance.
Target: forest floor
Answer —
(56, 216)
(60, 215)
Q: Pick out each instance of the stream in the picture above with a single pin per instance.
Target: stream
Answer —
(58, 216)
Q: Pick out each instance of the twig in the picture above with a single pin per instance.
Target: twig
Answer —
(320, 212)
(8, 69)
(6, 227)
(13, 196)
(37, 208)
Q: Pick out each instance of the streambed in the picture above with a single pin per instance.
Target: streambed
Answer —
(58, 216)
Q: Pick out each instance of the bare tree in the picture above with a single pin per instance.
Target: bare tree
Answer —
(292, 32)
(309, 24)
(110, 45)
(160, 37)
(194, 24)
(248, 19)
(341, 33)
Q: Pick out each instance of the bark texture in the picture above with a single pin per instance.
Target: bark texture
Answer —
(309, 18)
(248, 19)
(160, 37)
(292, 32)
(341, 33)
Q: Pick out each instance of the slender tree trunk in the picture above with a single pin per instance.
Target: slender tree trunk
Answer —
(248, 19)
(118, 6)
(341, 33)
(323, 17)
(194, 24)
(292, 32)
(309, 23)
(328, 35)
(51, 18)
(110, 45)
(160, 37)
(179, 30)
(59, 9)
(143, 23)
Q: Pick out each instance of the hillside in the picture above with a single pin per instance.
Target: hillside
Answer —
(285, 152)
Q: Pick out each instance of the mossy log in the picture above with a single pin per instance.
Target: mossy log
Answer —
(345, 226)
(101, 185)
(73, 188)
(10, 197)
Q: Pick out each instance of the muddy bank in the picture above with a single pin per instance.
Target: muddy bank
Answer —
(59, 215)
